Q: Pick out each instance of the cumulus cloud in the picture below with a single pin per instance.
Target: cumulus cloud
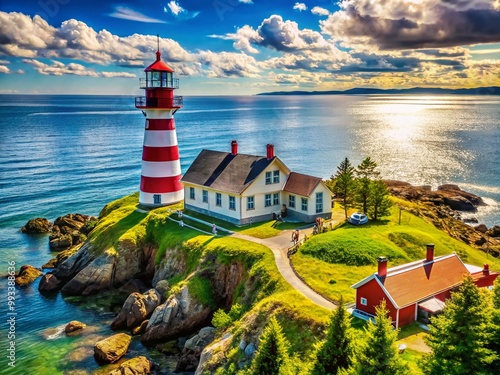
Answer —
(57, 68)
(175, 8)
(227, 64)
(320, 11)
(243, 39)
(23, 36)
(406, 24)
(4, 69)
(131, 15)
(251, 2)
(300, 7)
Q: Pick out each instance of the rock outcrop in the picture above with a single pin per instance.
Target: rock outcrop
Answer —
(70, 230)
(180, 313)
(49, 283)
(135, 366)
(193, 347)
(112, 348)
(136, 309)
(446, 195)
(37, 226)
(494, 231)
(218, 348)
(26, 275)
(73, 326)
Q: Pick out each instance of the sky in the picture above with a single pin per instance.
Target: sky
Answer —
(243, 47)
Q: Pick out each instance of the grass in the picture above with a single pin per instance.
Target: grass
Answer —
(331, 262)
(264, 229)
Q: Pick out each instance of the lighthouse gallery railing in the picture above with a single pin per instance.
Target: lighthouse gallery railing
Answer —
(175, 102)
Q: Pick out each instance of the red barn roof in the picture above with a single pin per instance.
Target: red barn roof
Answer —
(158, 65)
(413, 282)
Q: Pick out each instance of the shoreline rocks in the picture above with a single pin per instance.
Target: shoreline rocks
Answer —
(37, 226)
(26, 275)
(73, 326)
(112, 348)
(136, 309)
(135, 366)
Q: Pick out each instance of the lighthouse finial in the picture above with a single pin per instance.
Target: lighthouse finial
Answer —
(158, 53)
(158, 39)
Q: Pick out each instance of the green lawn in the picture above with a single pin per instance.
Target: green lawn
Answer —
(330, 263)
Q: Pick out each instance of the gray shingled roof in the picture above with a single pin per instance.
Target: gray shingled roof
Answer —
(224, 171)
(301, 184)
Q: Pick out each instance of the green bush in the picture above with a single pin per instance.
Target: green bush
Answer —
(221, 319)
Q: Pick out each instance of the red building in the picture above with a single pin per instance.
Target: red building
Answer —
(416, 289)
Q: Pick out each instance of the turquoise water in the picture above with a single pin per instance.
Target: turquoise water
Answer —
(62, 154)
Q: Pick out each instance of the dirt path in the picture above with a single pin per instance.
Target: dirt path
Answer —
(279, 246)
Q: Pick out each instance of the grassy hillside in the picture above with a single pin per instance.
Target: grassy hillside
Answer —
(330, 263)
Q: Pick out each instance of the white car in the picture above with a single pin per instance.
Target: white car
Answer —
(358, 218)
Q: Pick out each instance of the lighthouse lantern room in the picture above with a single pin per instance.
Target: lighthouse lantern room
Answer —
(161, 168)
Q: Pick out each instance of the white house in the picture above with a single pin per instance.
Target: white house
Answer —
(242, 188)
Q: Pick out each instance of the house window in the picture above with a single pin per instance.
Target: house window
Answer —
(157, 198)
(218, 199)
(268, 178)
(364, 302)
(319, 202)
(205, 196)
(276, 199)
(191, 193)
(304, 204)
(276, 177)
(250, 203)
(232, 203)
(267, 200)
(291, 201)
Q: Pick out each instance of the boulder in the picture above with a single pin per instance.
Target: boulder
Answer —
(163, 287)
(202, 339)
(494, 231)
(112, 348)
(26, 275)
(73, 326)
(250, 350)
(136, 309)
(135, 366)
(94, 277)
(139, 330)
(216, 349)
(68, 221)
(49, 283)
(180, 314)
(62, 242)
(459, 203)
(38, 225)
(481, 228)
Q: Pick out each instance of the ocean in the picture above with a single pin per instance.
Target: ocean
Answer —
(74, 154)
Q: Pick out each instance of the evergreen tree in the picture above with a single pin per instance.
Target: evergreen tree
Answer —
(272, 355)
(379, 355)
(459, 337)
(337, 350)
(345, 183)
(494, 345)
(379, 202)
(365, 173)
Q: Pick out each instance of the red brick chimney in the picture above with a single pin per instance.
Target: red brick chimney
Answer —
(382, 266)
(430, 252)
(234, 147)
(270, 151)
(486, 269)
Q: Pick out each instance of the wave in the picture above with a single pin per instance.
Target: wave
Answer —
(484, 188)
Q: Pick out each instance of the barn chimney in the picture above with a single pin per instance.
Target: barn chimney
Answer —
(430, 252)
(486, 269)
(270, 151)
(234, 147)
(382, 266)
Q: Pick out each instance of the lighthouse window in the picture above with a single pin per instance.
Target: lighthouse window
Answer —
(191, 193)
(157, 199)
(232, 203)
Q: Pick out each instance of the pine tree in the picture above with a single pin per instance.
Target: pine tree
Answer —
(494, 345)
(365, 173)
(272, 355)
(337, 350)
(379, 355)
(345, 183)
(459, 337)
(379, 202)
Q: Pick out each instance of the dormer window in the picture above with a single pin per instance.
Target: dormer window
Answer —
(272, 177)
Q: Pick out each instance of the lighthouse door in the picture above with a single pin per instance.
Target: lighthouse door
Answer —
(157, 198)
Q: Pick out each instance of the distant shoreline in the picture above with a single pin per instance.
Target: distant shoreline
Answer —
(492, 90)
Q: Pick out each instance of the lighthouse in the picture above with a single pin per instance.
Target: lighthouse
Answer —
(161, 167)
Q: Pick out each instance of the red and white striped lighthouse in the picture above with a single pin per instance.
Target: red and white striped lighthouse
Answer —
(161, 167)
